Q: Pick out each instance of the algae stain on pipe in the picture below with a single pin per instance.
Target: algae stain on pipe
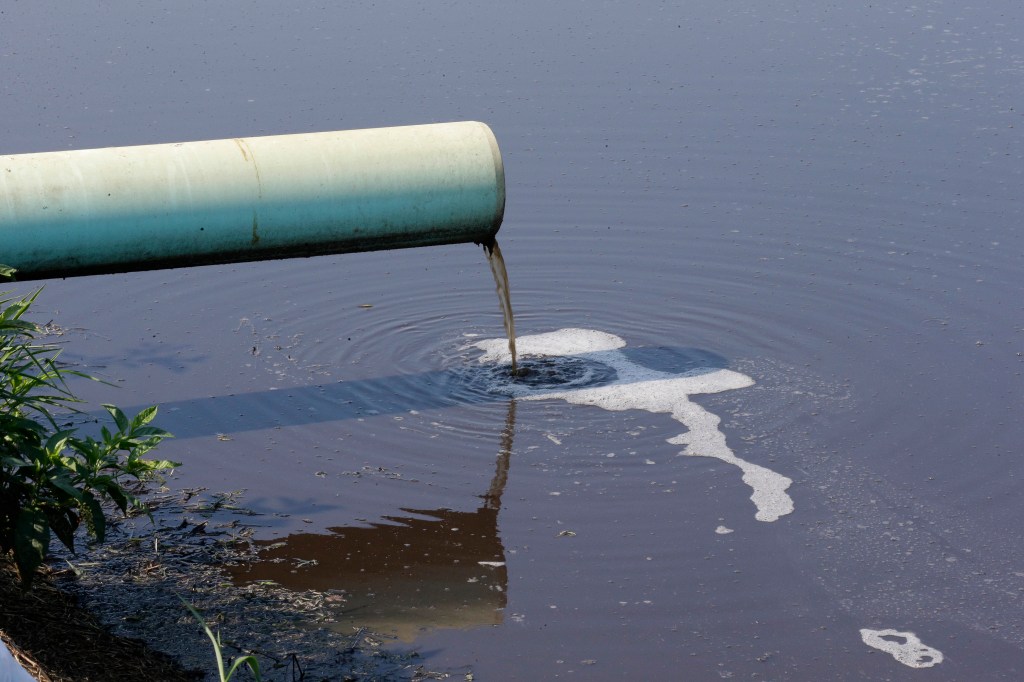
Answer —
(640, 388)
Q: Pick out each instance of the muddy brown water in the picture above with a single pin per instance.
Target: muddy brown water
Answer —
(822, 198)
(497, 264)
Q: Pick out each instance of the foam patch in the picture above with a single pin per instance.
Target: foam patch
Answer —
(640, 388)
(905, 647)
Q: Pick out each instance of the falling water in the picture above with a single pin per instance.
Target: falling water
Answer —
(497, 264)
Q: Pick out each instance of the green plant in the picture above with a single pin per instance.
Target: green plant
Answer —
(51, 479)
(254, 665)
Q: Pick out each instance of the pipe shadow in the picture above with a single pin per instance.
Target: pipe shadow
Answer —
(388, 395)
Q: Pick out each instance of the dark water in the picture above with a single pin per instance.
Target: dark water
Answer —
(822, 197)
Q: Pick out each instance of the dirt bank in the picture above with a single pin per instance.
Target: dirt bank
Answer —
(115, 611)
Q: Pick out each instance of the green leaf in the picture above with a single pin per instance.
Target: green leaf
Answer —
(23, 425)
(7, 271)
(251, 662)
(58, 441)
(62, 483)
(31, 541)
(119, 417)
(143, 417)
(117, 494)
(63, 524)
(150, 431)
(97, 522)
(14, 462)
(162, 464)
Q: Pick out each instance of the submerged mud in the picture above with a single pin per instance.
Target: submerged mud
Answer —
(135, 582)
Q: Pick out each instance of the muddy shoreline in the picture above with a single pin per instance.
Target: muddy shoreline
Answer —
(134, 584)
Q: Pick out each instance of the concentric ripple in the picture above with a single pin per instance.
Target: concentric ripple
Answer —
(536, 373)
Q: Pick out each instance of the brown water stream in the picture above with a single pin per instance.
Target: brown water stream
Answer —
(497, 263)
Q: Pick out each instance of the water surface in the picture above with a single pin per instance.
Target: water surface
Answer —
(824, 198)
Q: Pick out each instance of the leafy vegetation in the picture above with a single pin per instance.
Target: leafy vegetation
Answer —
(51, 478)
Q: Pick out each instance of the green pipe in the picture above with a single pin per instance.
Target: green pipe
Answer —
(120, 209)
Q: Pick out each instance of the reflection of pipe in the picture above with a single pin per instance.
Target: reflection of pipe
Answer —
(492, 500)
(192, 203)
(428, 568)
(417, 570)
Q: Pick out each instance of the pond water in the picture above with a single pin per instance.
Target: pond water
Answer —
(820, 202)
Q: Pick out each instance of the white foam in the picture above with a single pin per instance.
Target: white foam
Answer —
(905, 647)
(641, 388)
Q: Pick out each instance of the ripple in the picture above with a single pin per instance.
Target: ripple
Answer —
(537, 373)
